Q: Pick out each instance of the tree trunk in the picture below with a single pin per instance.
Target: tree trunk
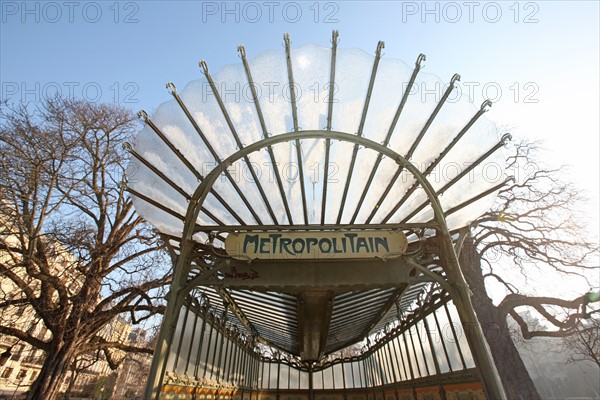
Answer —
(515, 377)
(51, 376)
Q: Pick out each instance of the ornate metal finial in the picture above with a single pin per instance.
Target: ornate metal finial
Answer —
(143, 115)
(127, 146)
(171, 87)
(455, 77)
(204, 67)
(506, 137)
(486, 105)
(286, 39)
(241, 50)
(335, 35)
(380, 46)
(420, 59)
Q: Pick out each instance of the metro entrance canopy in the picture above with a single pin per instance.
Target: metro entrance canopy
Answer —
(312, 200)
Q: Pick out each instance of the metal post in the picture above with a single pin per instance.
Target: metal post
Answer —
(208, 345)
(165, 336)
(391, 361)
(434, 355)
(189, 355)
(219, 368)
(278, 378)
(311, 393)
(437, 324)
(460, 353)
(422, 350)
(412, 342)
(201, 338)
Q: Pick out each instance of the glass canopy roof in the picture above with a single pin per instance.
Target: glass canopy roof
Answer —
(324, 183)
(237, 199)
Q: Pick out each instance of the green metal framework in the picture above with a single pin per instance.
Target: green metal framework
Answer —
(250, 325)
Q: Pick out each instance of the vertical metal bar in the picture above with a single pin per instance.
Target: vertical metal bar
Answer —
(433, 354)
(219, 367)
(322, 379)
(387, 138)
(286, 39)
(378, 371)
(208, 344)
(238, 357)
(189, 355)
(201, 337)
(412, 342)
(437, 324)
(361, 373)
(250, 370)
(395, 350)
(311, 389)
(381, 365)
(289, 380)
(399, 357)
(263, 126)
(269, 377)
(334, 42)
(262, 374)
(422, 350)
(364, 364)
(226, 358)
(232, 355)
(344, 378)
(380, 46)
(412, 374)
(333, 375)
(460, 353)
(177, 353)
(216, 349)
(371, 369)
(165, 335)
(391, 361)
(244, 366)
(278, 378)
(256, 370)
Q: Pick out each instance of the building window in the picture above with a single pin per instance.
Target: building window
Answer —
(7, 372)
(18, 352)
(22, 374)
(33, 376)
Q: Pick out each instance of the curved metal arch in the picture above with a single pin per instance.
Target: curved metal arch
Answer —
(459, 290)
(201, 192)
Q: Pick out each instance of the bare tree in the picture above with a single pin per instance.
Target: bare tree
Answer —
(584, 344)
(73, 253)
(534, 229)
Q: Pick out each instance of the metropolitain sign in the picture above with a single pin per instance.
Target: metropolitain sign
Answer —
(317, 245)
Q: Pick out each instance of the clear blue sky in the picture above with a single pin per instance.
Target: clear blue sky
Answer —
(538, 60)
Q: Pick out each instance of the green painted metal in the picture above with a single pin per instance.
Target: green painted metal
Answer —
(456, 284)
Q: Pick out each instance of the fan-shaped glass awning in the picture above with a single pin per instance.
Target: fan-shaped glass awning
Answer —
(311, 140)
(430, 123)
